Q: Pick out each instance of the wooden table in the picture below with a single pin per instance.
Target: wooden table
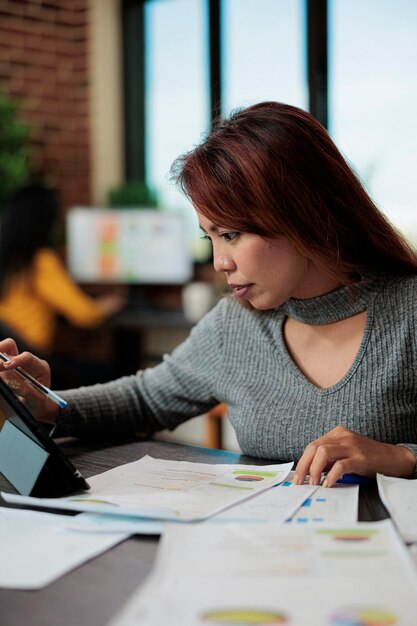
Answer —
(91, 594)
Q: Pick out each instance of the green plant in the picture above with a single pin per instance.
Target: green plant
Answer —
(14, 148)
(133, 194)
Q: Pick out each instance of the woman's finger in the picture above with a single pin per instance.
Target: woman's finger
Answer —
(36, 367)
(9, 347)
(339, 436)
(303, 465)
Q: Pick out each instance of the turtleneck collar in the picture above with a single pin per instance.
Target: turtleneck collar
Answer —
(335, 305)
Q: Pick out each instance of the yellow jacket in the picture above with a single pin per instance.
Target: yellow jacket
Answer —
(32, 302)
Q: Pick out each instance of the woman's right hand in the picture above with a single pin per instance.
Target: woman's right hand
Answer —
(38, 404)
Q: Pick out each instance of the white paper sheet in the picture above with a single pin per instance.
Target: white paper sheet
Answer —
(399, 495)
(213, 575)
(336, 505)
(298, 504)
(277, 504)
(172, 490)
(413, 552)
(37, 548)
(103, 523)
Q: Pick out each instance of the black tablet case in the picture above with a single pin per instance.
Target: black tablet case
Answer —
(30, 460)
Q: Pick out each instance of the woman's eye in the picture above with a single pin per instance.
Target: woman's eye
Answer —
(229, 236)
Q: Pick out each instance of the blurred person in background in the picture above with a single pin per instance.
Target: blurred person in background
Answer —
(36, 289)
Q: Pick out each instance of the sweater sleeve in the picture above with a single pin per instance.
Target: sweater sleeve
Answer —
(412, 312)
(184, 385)
(56, 287)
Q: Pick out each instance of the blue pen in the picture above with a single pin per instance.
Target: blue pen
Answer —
(42, 388)
(354, 479)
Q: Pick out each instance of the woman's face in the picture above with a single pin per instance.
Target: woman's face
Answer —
(265, 272)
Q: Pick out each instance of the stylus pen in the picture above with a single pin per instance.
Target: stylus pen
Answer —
(45, 390)
(354, 479)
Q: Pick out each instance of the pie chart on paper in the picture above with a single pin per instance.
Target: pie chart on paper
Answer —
(363, 617)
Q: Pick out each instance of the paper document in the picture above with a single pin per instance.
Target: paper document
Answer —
(332, 575)
(104, 523)
(172, 490)
(277, 504)
(339, 504)
(413, 552)
(37, 548)
(399, 495)
(284, 502)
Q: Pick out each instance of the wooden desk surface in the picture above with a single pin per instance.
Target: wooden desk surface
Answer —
(91, 594)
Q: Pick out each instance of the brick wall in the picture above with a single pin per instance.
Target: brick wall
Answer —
(44, 64)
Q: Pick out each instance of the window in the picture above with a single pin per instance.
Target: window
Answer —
(176, 88)
(372, 94)
(263, 52)
(263, 58)
(373, 99)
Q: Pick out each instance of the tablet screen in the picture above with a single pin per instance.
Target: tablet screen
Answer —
(21, 458)
(29, 458)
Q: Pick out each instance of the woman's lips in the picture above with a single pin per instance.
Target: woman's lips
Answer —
(240, 291)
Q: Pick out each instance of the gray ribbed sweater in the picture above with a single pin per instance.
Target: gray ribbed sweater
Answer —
(239, 357)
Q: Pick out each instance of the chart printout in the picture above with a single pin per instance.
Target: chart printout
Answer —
(162, 489)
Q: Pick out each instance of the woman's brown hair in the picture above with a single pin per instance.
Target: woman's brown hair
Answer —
(272, 169)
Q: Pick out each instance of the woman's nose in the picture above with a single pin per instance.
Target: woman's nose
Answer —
(222, 263)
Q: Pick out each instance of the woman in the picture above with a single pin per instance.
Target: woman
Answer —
(315, 352)
(36, 289)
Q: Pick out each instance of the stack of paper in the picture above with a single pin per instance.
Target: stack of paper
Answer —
(139, 496)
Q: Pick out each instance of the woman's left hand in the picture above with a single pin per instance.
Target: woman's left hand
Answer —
(342, 451)
(38, 404)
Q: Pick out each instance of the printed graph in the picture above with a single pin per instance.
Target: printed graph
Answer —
(356, 616)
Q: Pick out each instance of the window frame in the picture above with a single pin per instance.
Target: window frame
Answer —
(133, 55)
